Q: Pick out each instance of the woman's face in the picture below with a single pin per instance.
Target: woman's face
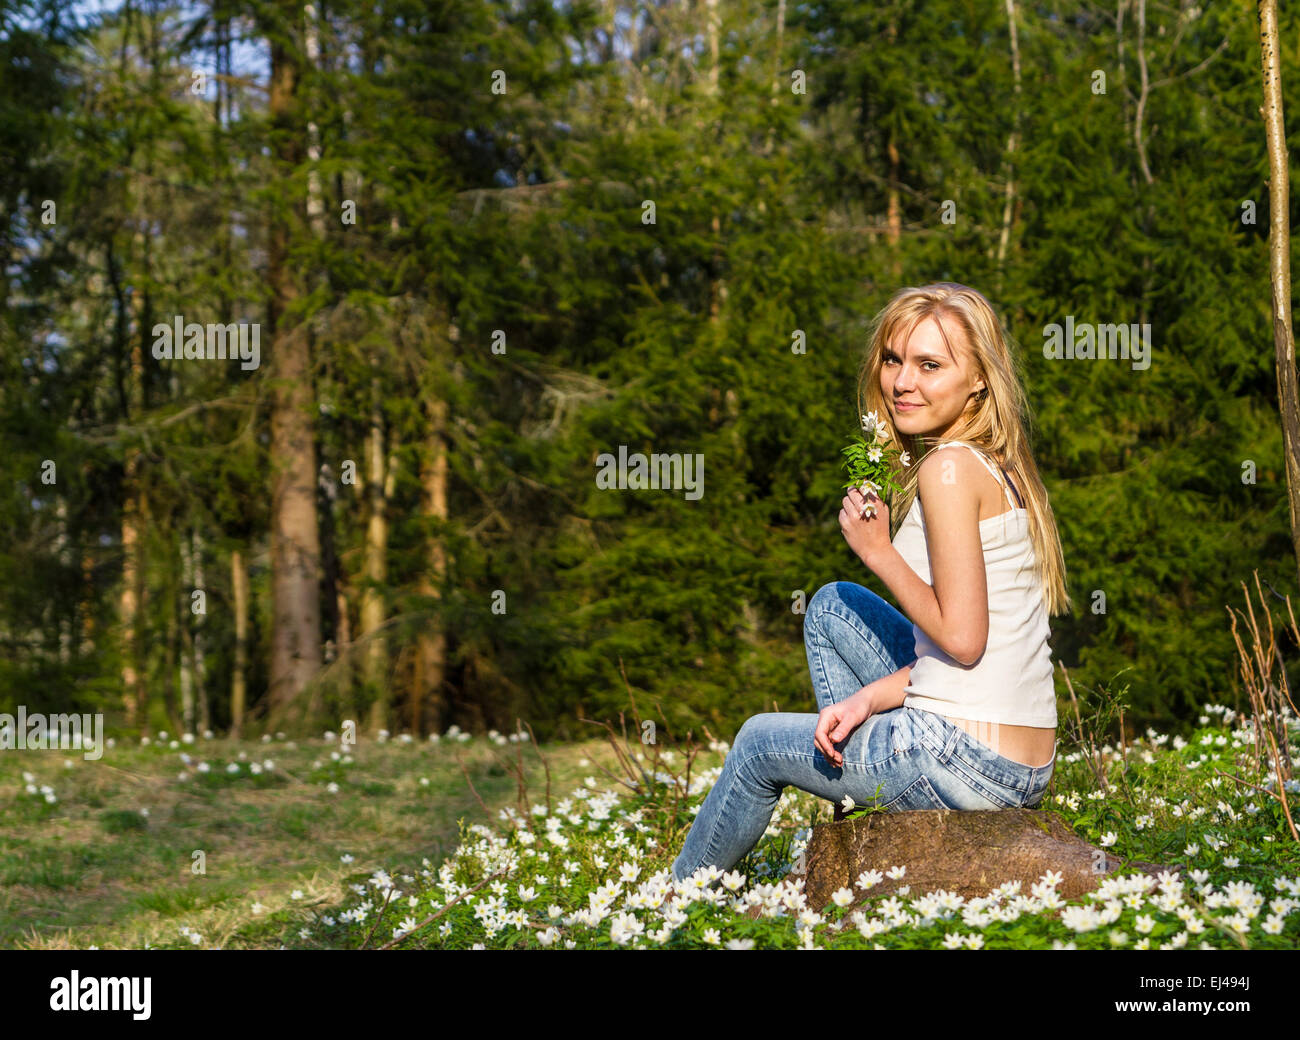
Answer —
(921, 373)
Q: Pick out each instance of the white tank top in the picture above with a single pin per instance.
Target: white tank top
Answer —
(1012, 681)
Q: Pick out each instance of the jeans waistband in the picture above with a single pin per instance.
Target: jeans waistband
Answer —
(948, 736)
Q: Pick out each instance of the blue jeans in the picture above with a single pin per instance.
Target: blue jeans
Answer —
(904, 759)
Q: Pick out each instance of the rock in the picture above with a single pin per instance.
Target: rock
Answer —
(968, 852)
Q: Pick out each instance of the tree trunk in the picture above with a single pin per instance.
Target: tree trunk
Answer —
(187, 634)
(717, 289)
(171, 658)
(131, 604)
(1012, 143)
(295, 539)
(203, 718)
(378, 488)
(431, 650)
(1279, 251)
(239, 678)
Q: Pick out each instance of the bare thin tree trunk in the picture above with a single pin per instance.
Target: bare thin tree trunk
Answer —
(378, 488)
(131, 603)
(63, 548)
(200, 673)
(239, 678)
(431, 651)
(187, 634)
(1012, 141)
(171, 658)
(717, 289)
(776, 70)
(1139, 140)
(315, 205)
(894, 214)
(89, 599)
(1279, 252)
(349, 682)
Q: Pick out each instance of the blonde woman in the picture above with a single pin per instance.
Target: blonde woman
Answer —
(949, 704)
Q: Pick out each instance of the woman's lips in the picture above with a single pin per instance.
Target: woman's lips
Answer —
(903, 406)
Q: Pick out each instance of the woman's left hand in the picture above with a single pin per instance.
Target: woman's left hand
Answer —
(866, 535)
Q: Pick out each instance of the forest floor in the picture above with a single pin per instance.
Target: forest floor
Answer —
(127, 853)
(306, 844)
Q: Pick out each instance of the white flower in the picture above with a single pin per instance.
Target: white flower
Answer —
(869, 878)
(842, 896)
(905, 459)
(1108, 839)
(847, 803)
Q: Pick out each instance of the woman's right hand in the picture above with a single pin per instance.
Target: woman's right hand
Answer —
(838, 721)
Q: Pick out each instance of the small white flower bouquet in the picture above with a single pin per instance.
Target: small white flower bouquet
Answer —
(868, 464)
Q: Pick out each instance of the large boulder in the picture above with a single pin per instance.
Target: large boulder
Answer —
(967, 852)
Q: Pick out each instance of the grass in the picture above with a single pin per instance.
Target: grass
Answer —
(92, 869)
(386, 843)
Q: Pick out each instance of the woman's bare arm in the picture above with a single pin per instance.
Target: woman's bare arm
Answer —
(954, 612)
(887, 693)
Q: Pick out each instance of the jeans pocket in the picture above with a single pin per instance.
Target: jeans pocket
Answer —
(918, 795)
(1039, 791)
(989, 779)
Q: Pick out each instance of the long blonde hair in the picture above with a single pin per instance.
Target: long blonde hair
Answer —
(995, 421)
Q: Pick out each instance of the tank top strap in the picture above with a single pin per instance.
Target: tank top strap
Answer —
(1001, 479)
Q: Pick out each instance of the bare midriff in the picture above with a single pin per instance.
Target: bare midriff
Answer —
(1031, 746)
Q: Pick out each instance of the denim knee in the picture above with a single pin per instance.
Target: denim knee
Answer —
(821, 599)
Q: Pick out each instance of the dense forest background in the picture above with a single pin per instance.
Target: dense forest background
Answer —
(483, 243)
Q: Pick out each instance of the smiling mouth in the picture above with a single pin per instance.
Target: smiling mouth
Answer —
(906, 404)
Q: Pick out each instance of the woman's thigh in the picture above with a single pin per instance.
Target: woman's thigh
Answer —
(895, 761)
(885, 765)
(852, 637)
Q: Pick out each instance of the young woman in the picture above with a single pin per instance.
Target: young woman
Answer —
(955, 708)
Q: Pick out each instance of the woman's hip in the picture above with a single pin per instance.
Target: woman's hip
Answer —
(896, 760)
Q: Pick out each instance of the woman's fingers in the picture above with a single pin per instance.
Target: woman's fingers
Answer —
(822, 737)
